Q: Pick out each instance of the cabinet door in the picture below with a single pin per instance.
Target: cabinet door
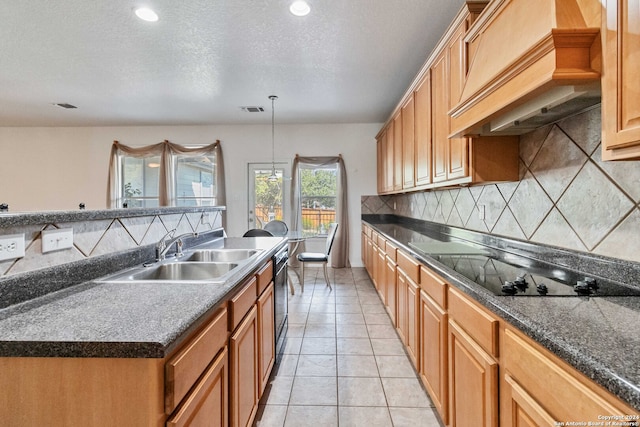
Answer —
(397, 152)
(433, 353)
(207, 403)
(244, 371)
(380, 163)
(413, 324)
(369, 265)
(388, 174)
(620, 100)
(440, 117)
(374, 265)
(473, 382)
(402, 315)
(522, 409)
(408, 146)
(458, 156)
(530, 371)
(266, 335)
(391, 290)
(382, 276)
(422, 131)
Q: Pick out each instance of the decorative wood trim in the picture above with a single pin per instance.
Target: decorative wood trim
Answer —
(570, 48)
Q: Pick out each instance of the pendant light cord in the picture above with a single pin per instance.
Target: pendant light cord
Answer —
(273, 134)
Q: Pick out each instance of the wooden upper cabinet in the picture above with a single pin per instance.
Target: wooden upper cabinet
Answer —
(621, 77)
(420, 153)
(439, 117)
(408, 145)
(389, 175)
(397, 152)
(458, 149)
(422, 131)
(380, 147)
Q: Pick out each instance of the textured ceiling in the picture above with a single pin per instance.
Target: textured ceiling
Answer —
(349, 61)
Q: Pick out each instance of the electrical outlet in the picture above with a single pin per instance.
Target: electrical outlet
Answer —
(481, 209)
(11, 246)
(54, 240)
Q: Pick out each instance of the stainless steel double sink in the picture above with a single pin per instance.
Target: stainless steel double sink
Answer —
(202, 265)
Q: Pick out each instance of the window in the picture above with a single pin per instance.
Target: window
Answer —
(318, 196)
(165, 174)
(140, 181)
(195, 181)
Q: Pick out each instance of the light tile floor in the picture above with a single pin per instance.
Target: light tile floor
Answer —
(343, 362)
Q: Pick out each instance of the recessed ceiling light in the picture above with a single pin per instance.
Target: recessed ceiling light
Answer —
(146, 14)
(300, 8)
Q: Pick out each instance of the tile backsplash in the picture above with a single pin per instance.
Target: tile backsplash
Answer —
(566, 197)
(103, 236)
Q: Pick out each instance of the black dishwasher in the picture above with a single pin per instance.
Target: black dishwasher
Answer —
(280, 297)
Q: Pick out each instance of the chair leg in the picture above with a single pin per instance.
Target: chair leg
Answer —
(290, 282)
(326, 275)
(302, 277)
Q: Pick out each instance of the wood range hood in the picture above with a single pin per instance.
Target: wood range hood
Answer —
(530, 63)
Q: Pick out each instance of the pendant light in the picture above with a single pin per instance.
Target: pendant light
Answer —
(273, 177)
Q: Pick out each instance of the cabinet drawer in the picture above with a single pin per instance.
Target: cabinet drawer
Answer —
(391, 250)
(265, 276)
(207, 403)
(184, 368)
(574, 397)
(481, 326)
(409, 265)
(242, 302)
(434, 286)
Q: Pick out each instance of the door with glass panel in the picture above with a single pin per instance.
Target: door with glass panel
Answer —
(268, 193)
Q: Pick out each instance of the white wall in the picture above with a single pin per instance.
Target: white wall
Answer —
(57, 168)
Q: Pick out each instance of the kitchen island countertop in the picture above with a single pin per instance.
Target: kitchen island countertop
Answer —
(138, 320)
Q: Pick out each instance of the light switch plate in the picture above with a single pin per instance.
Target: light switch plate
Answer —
(54, 240)
(11, 246)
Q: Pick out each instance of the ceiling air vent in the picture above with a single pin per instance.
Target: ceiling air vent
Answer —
(252, 109)
(65, 105)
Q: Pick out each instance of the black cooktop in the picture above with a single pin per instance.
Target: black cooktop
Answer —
(511, 275)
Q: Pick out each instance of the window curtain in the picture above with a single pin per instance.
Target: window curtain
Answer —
(167, 152)
(340, 250)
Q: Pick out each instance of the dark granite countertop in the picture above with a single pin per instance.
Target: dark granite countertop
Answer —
(100, 319)
(12, 219)
(599, 336)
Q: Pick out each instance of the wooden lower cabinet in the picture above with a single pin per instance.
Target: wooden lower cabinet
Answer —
(207, 404)
(266, 335)
(473, 382)
(408, 311)
(381, 274)
(391, 289)
(88, 392)
(413, 322)
(433, 353)
(402, 320)
(244, 371)
(478, 370)
(539, 389)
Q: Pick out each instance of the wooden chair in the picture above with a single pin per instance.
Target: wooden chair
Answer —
(318, 257)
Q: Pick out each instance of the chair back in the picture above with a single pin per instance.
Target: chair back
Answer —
(330, 236)
(277, 227)
(257, 232)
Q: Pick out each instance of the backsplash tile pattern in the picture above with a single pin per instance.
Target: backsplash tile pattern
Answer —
(567, 196)
(99, 237)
